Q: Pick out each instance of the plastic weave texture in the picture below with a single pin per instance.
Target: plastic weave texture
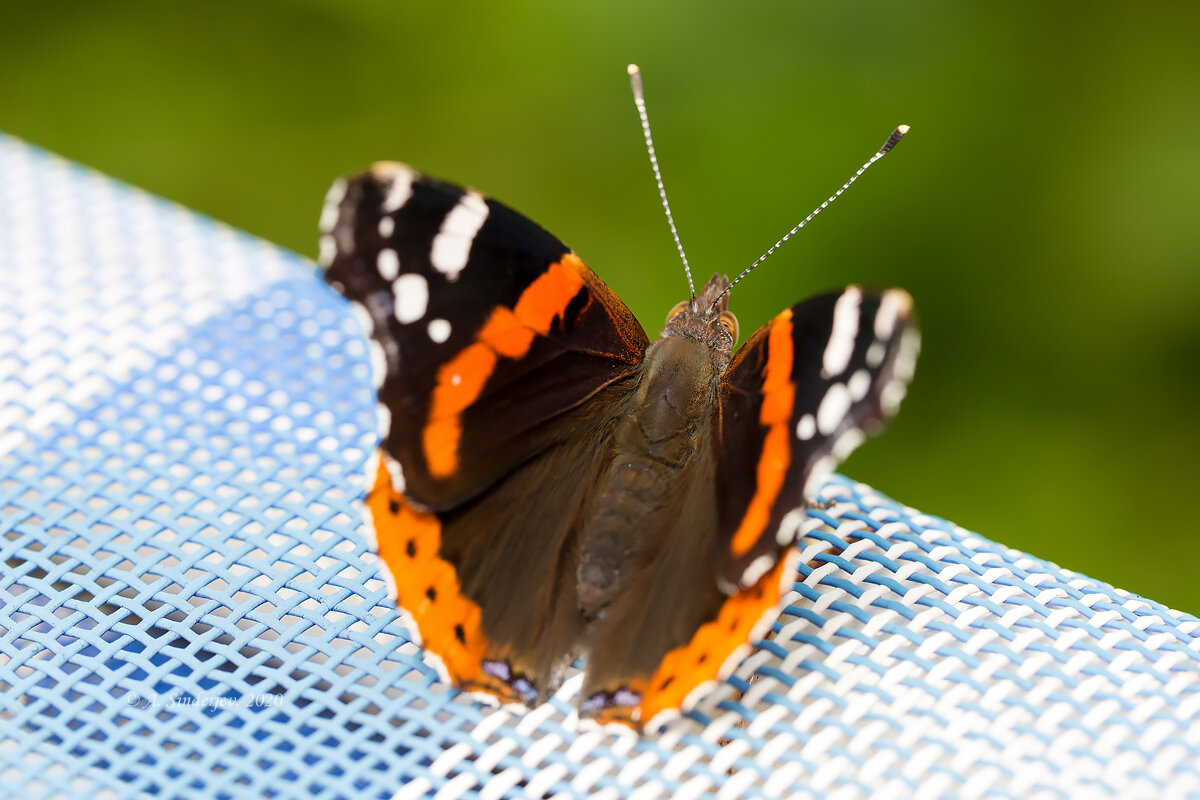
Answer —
(188, 607)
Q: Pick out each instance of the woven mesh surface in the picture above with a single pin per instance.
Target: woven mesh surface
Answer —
(189, 608)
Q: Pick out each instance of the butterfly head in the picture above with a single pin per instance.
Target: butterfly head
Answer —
(706, 317)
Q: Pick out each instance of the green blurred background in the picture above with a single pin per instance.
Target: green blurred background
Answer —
(1042, 211)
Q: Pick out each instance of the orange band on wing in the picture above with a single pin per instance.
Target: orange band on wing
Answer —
(508, 333)
(779, 396)
(711, 647)
(547, 297)
(459, 383)
(427, 586)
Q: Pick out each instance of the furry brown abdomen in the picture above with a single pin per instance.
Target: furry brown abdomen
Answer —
(654, 451)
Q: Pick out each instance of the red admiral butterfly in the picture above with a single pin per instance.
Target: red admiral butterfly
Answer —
(552, 484)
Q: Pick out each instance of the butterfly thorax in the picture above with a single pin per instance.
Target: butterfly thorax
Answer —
(705, 318)
(661, 443)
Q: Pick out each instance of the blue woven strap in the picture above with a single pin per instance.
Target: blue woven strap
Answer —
(189, 607)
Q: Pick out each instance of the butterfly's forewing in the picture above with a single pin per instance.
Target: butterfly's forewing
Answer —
(487, 326)
(799, 396)
(497, 354)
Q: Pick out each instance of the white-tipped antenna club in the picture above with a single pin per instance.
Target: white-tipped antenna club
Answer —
(639, 98)
(891, 142)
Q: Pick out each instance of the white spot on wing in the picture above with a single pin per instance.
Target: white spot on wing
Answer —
(840, 347)
(399, 190)
(388, 264)
(455, 379)
(362, 316)
(378, 362)
(833, 408)
(906, 357)
(394, 471)
(383, 420)
(891, 396)
(847, 443)
(452, 245)
(439, 330)
(387, 226)
(412, 297)
(893, 304)
(326, 250)
(875, 353)
(333, 202)
(806, 427)
(789, 527)
(859, 384)
(758, 567)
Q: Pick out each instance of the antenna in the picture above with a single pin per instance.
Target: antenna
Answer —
(635, 80)
(891, 142)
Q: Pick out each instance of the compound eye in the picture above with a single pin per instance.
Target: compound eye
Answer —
(729, 323)
(677, 310)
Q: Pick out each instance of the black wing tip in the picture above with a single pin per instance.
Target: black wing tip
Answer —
(389, 184)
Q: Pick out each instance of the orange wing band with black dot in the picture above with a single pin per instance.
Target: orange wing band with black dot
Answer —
(428, 588)
(427, 585)
(508, 333)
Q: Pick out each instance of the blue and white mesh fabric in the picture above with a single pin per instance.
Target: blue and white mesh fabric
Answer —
(189, 607)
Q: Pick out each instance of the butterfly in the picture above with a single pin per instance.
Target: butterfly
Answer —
(552, 484)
